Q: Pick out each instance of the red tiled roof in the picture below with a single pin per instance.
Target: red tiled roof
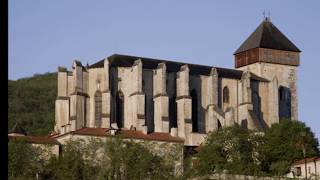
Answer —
(35, 139)
(311, 159)
(124, 133)
(152, 136)
(92, 131)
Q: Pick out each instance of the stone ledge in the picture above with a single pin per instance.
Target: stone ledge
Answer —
(184, 96)
(105, 115)
(80, 94)
(62, 98)
(136, 93)
(165, 118)
(160, 95)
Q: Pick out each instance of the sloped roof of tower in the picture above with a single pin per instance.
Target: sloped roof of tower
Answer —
(268, 36)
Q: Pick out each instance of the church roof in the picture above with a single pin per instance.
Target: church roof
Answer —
(172, 66)
(268, 36)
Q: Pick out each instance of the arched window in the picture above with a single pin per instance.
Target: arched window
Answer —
(284, 103)
(98, 108)
(194, 110)
(226, 94)
(120, 109)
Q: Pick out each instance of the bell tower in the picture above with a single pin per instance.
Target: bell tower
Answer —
(268, 53)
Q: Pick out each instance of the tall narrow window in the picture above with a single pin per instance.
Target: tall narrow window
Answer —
(194, 110)
(120, 109)
(226, 94)
(98, 108)
(284, 103)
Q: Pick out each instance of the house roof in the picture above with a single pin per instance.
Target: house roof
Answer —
(172, 66)
(268, 36)
(124, 133)
(310, 159)
(35, 139)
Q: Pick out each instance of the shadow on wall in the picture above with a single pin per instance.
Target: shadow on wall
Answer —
(284, 103)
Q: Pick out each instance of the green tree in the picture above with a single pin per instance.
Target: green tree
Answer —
(284, 144)
(132, 160)
(113, 159)
(232, 149)
(31, 101)
(23, 160)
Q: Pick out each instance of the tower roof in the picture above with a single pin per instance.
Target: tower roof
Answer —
(268, 36)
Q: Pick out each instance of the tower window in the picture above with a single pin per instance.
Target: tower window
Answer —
(98, 108)
(226, 94)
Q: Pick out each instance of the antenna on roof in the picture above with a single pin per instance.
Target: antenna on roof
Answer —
(264, 15)
(269, 16)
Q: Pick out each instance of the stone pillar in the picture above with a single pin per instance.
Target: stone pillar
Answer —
(211, 119)
(62, 82)
(183, 100)
(246, 105)
(77, 76)
(229, 117)
(273, 101)
(246, 89)
(106, 97)
(77, 98)
(62, 101)
(161, 99)
(294, 94)
(138, 98)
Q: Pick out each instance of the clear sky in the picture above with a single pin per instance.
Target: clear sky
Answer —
(45, 34)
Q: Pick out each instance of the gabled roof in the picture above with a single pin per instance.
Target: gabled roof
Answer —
(268, 36)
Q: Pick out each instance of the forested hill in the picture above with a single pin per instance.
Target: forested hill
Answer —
(31, 102)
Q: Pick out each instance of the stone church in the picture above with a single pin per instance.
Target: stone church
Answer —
(175, 101)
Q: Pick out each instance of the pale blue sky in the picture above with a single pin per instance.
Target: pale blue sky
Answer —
(45, 34)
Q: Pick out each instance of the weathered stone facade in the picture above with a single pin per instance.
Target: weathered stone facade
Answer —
(180, 99)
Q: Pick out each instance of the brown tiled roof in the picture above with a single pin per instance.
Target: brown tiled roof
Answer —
(124, 133)
(310, 159)
(92, 131)
(152, 136)
(35, 139)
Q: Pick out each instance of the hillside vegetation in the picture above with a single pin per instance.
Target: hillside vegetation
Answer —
(31, 102)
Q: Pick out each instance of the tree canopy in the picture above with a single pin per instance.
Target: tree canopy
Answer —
(240, 151)
(31, 102)
(283, 145)
(94, 159)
